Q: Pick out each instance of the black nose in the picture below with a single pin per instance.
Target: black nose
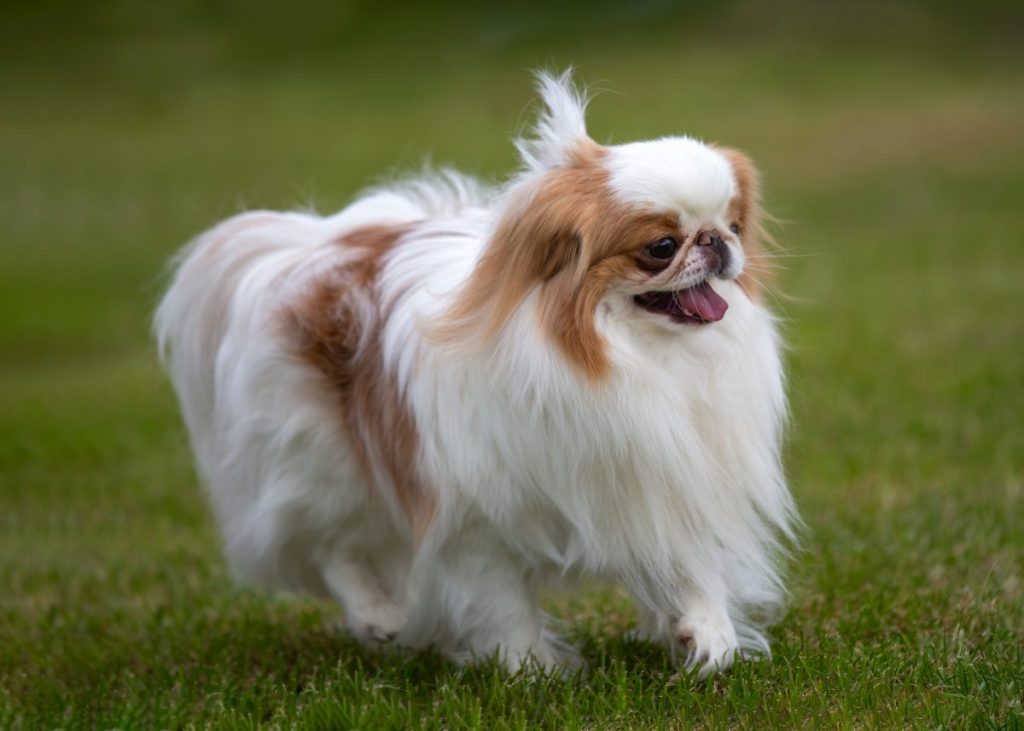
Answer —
(713, 240)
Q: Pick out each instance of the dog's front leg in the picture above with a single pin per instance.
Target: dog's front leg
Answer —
(699, 633)
(704, 637)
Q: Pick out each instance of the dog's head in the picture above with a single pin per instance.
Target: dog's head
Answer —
(641, 232)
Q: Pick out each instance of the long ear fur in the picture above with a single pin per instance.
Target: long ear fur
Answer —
(560, 127)
(746, 209)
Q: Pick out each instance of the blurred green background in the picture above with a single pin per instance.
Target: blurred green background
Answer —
(889, 135)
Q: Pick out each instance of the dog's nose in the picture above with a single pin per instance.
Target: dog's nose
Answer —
(710, 238)
(713, 240)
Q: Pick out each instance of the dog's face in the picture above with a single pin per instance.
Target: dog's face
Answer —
(640, 233)
(693, 191)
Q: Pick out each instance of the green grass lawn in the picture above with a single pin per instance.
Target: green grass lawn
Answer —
(892, 148)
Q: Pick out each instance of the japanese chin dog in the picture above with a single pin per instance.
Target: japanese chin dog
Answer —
(445, 397)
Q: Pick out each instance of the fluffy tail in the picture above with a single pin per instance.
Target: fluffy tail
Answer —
(192, 321)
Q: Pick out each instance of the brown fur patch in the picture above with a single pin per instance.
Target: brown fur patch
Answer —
(745, 209)
(337, 329)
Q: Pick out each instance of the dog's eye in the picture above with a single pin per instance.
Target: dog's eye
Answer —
(735, 228)
(663, 248)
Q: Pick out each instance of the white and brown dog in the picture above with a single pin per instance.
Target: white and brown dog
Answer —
(433, 403)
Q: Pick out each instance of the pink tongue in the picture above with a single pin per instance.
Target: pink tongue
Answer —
(704, 301)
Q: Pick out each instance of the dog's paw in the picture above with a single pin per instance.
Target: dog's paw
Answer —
(376, 628)
(705, 643)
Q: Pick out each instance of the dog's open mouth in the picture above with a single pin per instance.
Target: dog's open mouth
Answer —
(699, 304)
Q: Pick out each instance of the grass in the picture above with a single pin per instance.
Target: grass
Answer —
(890, 142)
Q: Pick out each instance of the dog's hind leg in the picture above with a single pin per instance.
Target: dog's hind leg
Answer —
(374, 614)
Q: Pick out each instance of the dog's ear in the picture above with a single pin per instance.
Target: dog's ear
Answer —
(561, 127)
(745, 210)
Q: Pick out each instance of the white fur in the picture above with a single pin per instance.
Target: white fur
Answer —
(560, 127)
(666, 477)
(673, 173)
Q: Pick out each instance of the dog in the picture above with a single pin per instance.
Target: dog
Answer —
(442, 399)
